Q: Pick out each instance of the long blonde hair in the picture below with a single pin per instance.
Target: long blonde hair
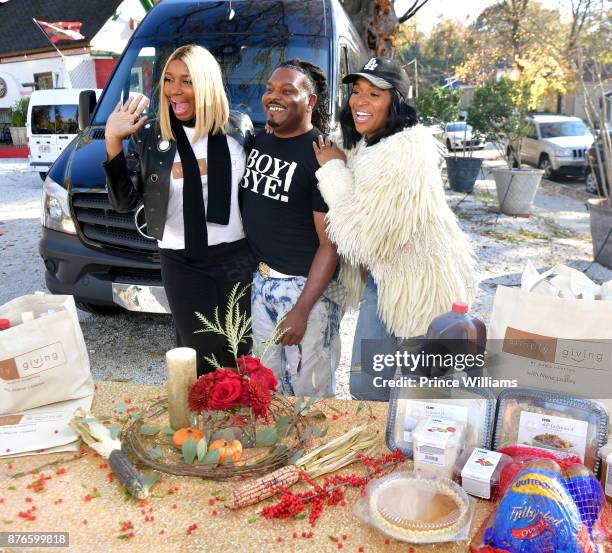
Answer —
(211, 105)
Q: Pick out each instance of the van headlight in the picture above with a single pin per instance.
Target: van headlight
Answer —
(55, 213)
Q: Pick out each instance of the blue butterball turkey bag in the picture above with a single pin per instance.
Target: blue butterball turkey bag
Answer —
(539, 514)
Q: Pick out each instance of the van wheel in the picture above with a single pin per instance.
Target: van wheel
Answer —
(105, 310)
(546, 166)
(43, 176)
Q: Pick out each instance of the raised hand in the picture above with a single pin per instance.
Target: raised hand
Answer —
(124, 121)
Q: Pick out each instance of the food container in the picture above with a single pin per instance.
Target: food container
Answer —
(479, 472)
(563, 425)
(605, 454)
(438, 442)
(416, 508)
(474, 406)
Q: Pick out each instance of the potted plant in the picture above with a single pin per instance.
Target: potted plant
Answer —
(19, 115)
(499, 112)
(440, 106)
(600, 160)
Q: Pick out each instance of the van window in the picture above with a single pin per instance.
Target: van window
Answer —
(66, 119)
(62, 119)
(247, 62)
(43, 120)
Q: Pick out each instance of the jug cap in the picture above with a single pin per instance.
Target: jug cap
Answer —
(460, 307)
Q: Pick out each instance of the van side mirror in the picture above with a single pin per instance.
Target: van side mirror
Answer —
(87, 103)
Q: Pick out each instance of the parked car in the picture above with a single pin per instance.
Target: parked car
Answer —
(458, 136)
(106, 259)
(556, 144)
(593, 182)
(52, 123)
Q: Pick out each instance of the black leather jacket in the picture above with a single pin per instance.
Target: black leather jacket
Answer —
(144, 172)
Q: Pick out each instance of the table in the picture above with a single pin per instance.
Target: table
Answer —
(80, 499)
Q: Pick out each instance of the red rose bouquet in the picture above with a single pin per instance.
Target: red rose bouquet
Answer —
(250, 385)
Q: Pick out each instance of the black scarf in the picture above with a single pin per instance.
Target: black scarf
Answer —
(195, 215)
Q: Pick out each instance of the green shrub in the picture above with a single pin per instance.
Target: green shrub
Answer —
(498, 113)
(439, 106)
(20, 112)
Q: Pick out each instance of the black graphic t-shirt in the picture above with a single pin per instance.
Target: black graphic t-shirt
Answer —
(279, 193)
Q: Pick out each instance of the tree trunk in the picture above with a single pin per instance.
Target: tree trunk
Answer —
(376, 23)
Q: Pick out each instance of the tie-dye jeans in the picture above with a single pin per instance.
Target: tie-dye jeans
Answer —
(309, 368)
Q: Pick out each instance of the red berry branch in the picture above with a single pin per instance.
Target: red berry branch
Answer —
(330, 491)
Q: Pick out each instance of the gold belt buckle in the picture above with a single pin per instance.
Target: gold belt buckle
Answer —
(264, 270)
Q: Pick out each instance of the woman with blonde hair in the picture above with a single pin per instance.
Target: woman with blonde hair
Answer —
(186, 166)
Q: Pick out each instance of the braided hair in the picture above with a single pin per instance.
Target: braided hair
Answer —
(317, 84)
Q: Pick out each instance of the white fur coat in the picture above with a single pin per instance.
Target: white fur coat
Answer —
(388, 214)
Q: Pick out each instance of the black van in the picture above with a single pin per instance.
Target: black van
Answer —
(106, 259)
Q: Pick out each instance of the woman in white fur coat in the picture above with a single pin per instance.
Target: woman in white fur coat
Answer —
(387, 211)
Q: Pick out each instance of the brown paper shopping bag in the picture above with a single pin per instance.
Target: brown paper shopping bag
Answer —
(43, 358)
(553, 334)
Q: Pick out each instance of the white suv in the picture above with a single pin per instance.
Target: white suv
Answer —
(556, 144)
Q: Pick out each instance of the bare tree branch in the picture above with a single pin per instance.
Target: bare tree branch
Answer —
(412, 10)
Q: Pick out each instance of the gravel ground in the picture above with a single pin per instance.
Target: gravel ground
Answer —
(131, 346)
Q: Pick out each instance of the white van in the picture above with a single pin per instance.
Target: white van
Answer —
(51, 125)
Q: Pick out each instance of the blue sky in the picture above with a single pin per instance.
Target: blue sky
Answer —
(462, 10)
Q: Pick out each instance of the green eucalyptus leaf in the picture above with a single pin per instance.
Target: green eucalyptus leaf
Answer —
(189, 451)
(309, 404)
(149, 430)
(115, 430)
(267, 437)
(299, 405)
(296, 456)
(150, 479)
(155, 453)
(282, 424)
(168, 431)
(228, 435)
(121, 407)
(212, 457)
(202, 449)
(316, 431)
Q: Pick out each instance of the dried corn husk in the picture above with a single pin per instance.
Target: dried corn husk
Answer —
(338, 453)
(98, 437)
(334, 455)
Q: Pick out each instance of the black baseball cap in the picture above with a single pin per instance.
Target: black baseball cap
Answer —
(383, 73)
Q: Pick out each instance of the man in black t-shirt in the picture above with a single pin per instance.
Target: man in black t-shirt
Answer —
(284, 219)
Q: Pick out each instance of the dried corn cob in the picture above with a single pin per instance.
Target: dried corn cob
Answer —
(98, 437)
(327, 458)
(264, 487)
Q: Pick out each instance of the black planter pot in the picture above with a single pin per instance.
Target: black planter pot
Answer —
(462, 173)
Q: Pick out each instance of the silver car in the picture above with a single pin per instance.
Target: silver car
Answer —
(557, 144)
(458, 135)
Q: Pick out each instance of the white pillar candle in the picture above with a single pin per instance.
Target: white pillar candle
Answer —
(181, 374)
